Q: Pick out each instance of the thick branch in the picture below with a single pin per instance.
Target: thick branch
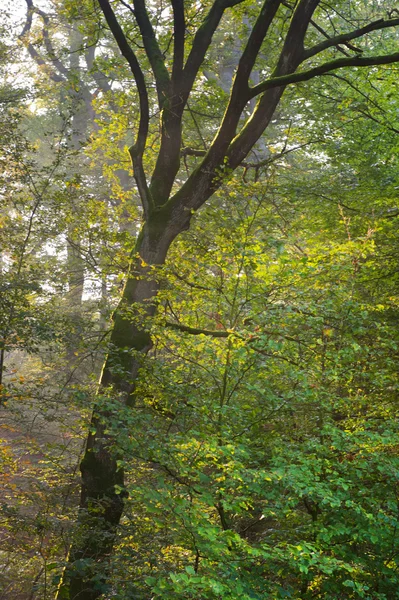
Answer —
(136, 151)
(202, 41)
(240, 91)
(130, 56)
(346, 37)
(179, 27)
(333, 65)
(168, 161)
(207, 177)
(293, 48)
(153, 51)
(255, 41)
(290, 57)
(319, 29)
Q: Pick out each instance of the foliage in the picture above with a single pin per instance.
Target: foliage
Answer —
(266, 458)
(261, 453)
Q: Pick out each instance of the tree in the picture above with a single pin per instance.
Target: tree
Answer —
(256, 457)
(279, 39)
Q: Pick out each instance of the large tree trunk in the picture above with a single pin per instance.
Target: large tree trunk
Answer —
(102, 501)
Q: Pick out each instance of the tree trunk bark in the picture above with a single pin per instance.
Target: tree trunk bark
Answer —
(103, 495)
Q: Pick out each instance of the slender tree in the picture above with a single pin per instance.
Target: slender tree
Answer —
(297, 49)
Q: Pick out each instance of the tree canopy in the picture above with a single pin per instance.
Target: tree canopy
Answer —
(242, 439)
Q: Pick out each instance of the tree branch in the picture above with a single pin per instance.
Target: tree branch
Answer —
(225, 333)
(168, 161)
(340, 63)
(202, 41)
(319, 28)
(346, 37)
(240, 90)
(154, 54)
(253, 165)
(254, 43)
(179, 28)
(326, 35)
(196, 331)
(207, 177)
(31, 9)
(290, 58)
(99, 77)
(48, 44)
(136, 151)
